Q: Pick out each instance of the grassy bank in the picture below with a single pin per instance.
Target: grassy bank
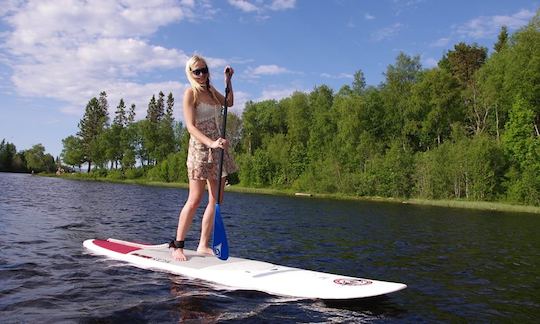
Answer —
(478, 205)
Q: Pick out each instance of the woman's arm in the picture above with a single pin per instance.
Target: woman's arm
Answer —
(230, 96)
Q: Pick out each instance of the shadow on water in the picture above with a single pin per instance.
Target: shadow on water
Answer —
(377, 306)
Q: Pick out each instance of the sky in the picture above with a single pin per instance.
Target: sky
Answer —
(55, 55)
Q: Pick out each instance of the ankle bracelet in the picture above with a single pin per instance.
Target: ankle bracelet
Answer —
(176, 244)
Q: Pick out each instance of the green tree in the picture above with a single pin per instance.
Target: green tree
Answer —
(298, 118)
(129, 140)
(519, 138)
(150, 131)
(131, 115)
(522, 71)
(234, 131)
(91, 126)
(8, 152)
(113, 135)
(260, 121)
(160, 106)
(463, 63)
(396, 91)
(359, 82)
(433, 173)
(502, 40)
(434, 104)
(485, 167)
(323, 126)
(394, 172)
(492, 91)
(170, 106)
(38, 161)
(72, 151)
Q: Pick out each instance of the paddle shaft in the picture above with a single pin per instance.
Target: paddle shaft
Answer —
(222, 153)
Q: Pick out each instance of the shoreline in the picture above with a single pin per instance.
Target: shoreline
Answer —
(463, 204)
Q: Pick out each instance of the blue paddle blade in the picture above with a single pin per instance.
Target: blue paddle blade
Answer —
(219, 239)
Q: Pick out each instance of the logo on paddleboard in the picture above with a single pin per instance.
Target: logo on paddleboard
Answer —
(352, 282)
(217, 250)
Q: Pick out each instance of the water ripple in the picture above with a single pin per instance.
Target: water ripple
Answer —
(459, 265)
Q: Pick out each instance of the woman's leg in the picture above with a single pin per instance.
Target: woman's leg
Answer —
(196, 190)
(208, 217)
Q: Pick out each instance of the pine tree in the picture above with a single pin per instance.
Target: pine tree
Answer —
(103, 107)
(464, 61)
(129, 140)
(8, 152)
(170, 106)
(151, 112)
(359, 82)
(160, 106)
(131, 115)
(90, 127)
(120, 118)
(502, 41)
(115, 145)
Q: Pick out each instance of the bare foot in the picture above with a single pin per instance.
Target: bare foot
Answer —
(178, 255)
(205, 250)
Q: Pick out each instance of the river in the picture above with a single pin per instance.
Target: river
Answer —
(459, 265)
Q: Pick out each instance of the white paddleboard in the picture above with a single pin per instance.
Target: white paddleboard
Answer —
(238, 273)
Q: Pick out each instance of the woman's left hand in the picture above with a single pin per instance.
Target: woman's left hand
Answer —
(229, 71)
(219, 143)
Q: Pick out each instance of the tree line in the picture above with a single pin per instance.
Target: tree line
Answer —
(465, 129)
(32, 160)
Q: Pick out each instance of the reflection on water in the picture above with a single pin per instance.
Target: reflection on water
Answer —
(459, 264)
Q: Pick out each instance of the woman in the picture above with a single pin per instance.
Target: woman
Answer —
(202, 107)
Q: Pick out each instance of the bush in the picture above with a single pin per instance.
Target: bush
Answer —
(134, 173)
(115, 175)
(525, 187)
(172, 169)
(99, 173)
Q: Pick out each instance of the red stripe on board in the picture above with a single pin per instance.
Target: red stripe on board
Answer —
(116, 247)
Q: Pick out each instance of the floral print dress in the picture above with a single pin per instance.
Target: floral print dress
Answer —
(203, 161)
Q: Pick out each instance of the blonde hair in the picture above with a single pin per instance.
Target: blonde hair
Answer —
(196, 86)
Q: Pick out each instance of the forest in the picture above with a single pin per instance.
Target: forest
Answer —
(465, 129)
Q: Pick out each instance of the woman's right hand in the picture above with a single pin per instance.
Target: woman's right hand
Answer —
(219, 143)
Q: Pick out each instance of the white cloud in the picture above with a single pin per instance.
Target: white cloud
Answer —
(441, 42)
(259, 6)
(36, 22)
(244, 5)
(489, 26)
(282, 4)
(268, 70)
(276, 94)
(70, 50)
(368, 16)
(386, 33)
(401, 5)
(337, 76)
(122, 54)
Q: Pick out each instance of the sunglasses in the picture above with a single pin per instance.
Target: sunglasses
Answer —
(198, 72)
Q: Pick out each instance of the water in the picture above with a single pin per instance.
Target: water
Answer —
(460, 265)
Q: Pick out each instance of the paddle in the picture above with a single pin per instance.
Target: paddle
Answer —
(219, 239)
